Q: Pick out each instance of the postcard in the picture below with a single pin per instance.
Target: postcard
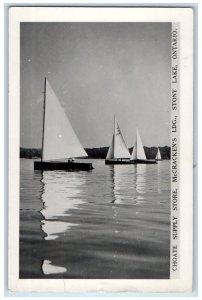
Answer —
(100, 149)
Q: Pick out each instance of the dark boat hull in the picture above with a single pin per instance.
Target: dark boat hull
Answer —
(129, 162)
(66, 166)
(117, 162)
(144, 161)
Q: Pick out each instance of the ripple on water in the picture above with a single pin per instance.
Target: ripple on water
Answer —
(112, 222)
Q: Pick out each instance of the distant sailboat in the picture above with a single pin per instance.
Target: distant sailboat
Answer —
(59, 141)
(138, 154)
(158, 155)
(118, 152)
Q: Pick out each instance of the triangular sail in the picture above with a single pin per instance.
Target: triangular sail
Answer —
(110, 153)
(60, 140)
(158, 155)
(134, 152)
(138, 149)
(120, 148)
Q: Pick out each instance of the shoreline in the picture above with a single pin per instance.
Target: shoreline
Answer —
(100, 153)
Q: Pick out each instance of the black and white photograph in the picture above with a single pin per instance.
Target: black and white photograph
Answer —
(98, 156)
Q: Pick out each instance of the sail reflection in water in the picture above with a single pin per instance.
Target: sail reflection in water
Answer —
(60, 195)
(129, 183)
(141, 204)
(61, 192)
(123, 184)
(48, 268)
(113, 222)
(140, 181)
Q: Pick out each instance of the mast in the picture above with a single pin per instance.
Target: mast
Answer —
(136, 145)
(114, 137)
(44, 106)
(114, 125)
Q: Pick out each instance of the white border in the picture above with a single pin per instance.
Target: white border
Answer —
(47, 14)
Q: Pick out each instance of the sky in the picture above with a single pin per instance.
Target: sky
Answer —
(98, 70)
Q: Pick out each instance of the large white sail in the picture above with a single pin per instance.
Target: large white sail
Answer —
(138, 149)
(110, 153)
(60, 140)
(120, 148)
(158, 155)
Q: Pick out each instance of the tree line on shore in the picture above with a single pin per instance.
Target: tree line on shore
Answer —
(100, 152)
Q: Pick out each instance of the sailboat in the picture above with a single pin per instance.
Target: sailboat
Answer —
(59, 141)
(118, 152)
(158, 155)
(138, 154)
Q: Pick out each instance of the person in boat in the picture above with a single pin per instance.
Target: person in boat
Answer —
(70, 160)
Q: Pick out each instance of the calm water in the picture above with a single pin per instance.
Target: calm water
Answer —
(112, 222)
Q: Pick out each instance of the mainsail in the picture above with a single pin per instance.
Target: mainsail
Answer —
(110, 153)
(118, 148)
(138, 149)
(59, 138)
(158, 155)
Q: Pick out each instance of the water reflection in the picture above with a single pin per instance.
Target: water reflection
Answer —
(62, 192)
(141, 180)
(128, 183)
(52, 229)
(49, 268)
(159, 177)
(109, 224)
